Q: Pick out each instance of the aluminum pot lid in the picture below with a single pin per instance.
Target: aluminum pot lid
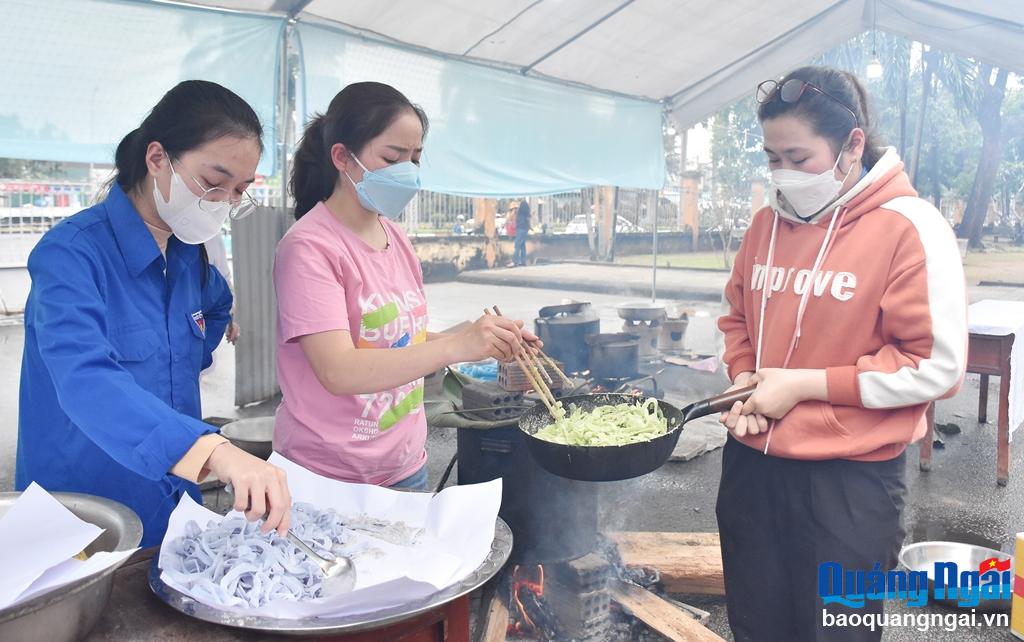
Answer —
(568, 313)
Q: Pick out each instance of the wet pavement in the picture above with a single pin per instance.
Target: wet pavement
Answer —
(958, 499)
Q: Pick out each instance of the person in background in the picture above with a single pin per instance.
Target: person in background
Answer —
(510, 220)
(124, 312)
(522, 232)
(460, 222)
(848, 312)
(353, 345)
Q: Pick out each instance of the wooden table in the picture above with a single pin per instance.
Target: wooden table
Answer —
(134, 613)
(987, 355)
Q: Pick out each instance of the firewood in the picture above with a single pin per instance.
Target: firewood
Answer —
(687, 562)
(496, 627)
(658, 614)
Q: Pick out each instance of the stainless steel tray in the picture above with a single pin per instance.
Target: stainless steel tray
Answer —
(501, 547)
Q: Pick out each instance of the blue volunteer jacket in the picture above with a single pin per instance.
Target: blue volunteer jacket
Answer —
(115, 337)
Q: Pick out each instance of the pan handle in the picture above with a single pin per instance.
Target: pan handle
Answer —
(718, 403)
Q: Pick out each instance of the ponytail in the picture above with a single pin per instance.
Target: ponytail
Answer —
(313, 173)
(873, 148)
(129, 173)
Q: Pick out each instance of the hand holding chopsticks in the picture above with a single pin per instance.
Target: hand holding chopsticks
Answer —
(528, 357)
(488, 336)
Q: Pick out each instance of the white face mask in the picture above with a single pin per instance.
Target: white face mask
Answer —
(805, 195)
(188, 221)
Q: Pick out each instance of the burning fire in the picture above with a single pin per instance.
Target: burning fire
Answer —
(527, 587)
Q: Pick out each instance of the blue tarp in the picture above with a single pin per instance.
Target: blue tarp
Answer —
(77, 75)
(494, 132)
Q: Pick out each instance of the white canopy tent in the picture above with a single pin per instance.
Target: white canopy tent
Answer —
(580, 88)
(692, 55)
(524, 96)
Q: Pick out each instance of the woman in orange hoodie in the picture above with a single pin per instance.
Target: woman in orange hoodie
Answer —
(848, 311)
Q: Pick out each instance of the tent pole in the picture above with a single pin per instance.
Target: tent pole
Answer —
(654, 267)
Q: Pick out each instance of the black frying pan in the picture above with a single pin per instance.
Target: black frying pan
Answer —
(613, 463)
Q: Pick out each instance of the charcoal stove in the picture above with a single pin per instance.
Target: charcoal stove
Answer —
(555, 584)
(673, 333)
(553, 519)
(644, 320)
(561, 601)
(554, 523)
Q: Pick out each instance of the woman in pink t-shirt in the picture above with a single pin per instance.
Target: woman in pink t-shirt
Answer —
(353, 345)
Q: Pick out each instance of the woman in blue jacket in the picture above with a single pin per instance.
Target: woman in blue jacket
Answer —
(124, 312)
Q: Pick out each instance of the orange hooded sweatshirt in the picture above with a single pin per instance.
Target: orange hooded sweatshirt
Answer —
(872, 291)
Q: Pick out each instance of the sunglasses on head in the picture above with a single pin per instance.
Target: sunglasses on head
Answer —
(792, 90)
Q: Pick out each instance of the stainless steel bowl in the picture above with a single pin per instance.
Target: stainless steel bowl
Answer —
(254, 435)
(923, 555)
(642, 311)
(69, 612)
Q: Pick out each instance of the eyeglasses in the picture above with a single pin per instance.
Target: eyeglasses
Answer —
(212, 197)
(792, 90)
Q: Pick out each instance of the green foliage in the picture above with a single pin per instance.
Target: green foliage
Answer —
(951, 137)
(737, 157)
(31, 170)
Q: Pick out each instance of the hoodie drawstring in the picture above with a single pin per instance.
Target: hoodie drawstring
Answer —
(826, 246)
(766, 291)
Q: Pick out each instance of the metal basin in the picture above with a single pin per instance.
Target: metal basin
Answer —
(642, 311)
(254, 435)
(69, 612)
(923, 555)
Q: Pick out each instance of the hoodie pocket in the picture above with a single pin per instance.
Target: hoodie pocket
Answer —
(828, 415)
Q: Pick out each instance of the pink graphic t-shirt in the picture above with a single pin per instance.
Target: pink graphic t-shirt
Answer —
(327, 278)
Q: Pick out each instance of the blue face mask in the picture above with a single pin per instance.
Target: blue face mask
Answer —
(389, 189)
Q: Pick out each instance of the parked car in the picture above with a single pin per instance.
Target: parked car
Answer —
(578, 225)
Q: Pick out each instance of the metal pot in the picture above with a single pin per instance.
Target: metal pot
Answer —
(923, 555)
(564, 329)
(614, 356)
(254, 435)
(69, 612)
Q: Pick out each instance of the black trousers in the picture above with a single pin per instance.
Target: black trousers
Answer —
(780, 518)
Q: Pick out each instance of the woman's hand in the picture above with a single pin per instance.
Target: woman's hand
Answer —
(739, 421)
(492, 336)
(259, 487)
(778, 390)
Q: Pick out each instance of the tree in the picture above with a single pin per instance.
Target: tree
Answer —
(1010, 180)
(957, 124)
(890, 95)
(30, 169)
(736, 157)
(930, 59)
(991, 86)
